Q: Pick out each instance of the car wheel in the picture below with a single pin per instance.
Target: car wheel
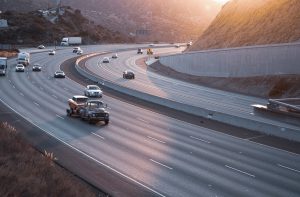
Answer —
(106, 122)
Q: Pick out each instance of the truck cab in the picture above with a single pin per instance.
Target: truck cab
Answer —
(3, 66)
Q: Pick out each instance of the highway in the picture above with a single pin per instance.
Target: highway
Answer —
(179, 91)
(163, 155)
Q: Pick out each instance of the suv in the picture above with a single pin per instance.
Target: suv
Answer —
(20, 68)
(128, 74)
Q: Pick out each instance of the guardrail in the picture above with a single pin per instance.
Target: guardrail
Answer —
(291, 133)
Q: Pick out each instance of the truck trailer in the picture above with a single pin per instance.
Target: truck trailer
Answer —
(67, 41)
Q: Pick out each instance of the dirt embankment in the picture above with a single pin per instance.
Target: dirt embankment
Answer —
(8, 53)
(249, 22)
(282, 86)
(26, 172)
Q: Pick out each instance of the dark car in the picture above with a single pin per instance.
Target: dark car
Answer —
(59, 74)
(36, 67)
(114, 56)
(128, 74)
(140, 51)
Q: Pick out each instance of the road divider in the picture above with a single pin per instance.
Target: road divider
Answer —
(287, 131)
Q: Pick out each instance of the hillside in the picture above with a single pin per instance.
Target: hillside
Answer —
(33, 28)
(168, 20)
(248, 22)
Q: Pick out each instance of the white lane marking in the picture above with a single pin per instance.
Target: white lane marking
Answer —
(161, 164)
(85, 154)
(66, 89)
(232, 168)
(98, 135)
(14, 86)
(36, 104)
(54, 96)
(60, 116)
(142, 120)
(152, 138)
(288, 168)
(200, 139)
(21, 93)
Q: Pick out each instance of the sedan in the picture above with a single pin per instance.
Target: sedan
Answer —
(41, 47)
(79, 52)
(59, 74)
(20, 68)
(52, 52)
(128, 74)
(105, 60)
(93, 90)
(36, 67)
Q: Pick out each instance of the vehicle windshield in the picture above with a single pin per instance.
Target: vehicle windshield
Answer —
(94, 88)
(94, 105)
(81, 100)
(2, 66)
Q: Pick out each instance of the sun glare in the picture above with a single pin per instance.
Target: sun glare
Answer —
(221, 1)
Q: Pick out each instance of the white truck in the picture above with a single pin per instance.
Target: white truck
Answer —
(23, 58)
(67, 41)
(3, 66)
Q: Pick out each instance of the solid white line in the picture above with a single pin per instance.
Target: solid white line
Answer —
(59, 116)
(21, 93)
(36, 104)
(288, 168)
(199, 139)
(13, 86)
(161, 164)
(152, 138)
(85, 154)
(251, 138)
(98, 135)
(240, 171)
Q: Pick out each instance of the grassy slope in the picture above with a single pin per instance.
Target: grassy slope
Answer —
(248, 22)
(26, 172)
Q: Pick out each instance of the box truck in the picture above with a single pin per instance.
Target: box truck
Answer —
(23, 58)
(3, 66)
(67, 41)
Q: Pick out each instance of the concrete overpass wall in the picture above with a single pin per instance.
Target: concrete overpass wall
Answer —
(238, 62)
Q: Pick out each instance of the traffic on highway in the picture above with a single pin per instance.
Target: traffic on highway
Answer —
(156, 153)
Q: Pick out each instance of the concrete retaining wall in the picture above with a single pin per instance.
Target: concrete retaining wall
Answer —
(270, 129)
(238, 62)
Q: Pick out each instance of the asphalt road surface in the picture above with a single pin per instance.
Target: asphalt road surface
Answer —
(163, 155)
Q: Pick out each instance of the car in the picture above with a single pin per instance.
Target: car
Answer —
(36, 67)
(177, 46)
(140, 51)
(93, 90)
(151, 45)
(156, 57)
(20, 68)
(75, 49)
(59, 74)
(79, 52)
(41, 47)
(128, 74)
(52, 52)
(114, 56)
(189, 44)
(105, 60)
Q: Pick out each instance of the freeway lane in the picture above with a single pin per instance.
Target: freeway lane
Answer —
(179, 91)
(171, 157)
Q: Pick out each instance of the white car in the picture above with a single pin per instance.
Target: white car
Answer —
(114, 56)
(93, 90)
(105, 60)
(79, 52)
(76, 49)
(20, 68)
(52, 52)
(41, 47)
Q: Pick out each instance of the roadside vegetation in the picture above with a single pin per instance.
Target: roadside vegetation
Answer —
(26, 172)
